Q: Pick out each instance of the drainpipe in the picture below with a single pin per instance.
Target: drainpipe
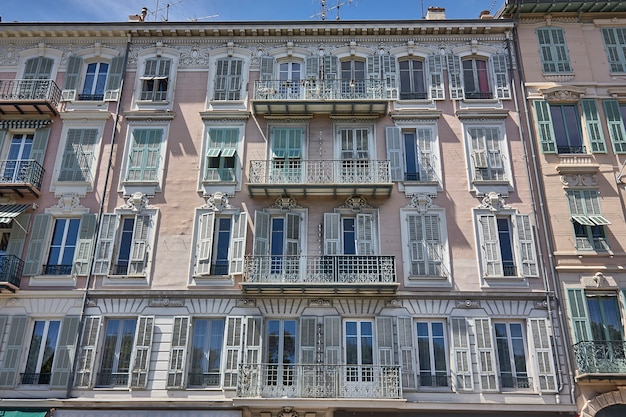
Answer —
(118, 112)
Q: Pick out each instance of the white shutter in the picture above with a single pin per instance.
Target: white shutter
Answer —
(139, 252)
(204, 245)
(435, 70)
(332, 340)
(105, 243)
(489, 242)
(365, 234)
(178, 353)
(238, 243)
(486, 355)
(454, 77)
(141, 352)
(384, 340)
(394, 153)
(332, 234)
(308, 340)
(261, 249)
(527, 254)
(85, 244)
(87, 357)
(233, 345)
(500, 66)
(462, 380)
(252, 341)
(541, 349)
(416, 244)
(406, 352)
(267, 68)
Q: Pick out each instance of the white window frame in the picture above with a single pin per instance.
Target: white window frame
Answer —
(159, 52)
(348, 213)
(436, 381)
(502, 186)
(94, 54)
(27, 54)
(228, 187)
(241, 93)
(497, 72)
(38, 360)
(509, 341)
(222, 358)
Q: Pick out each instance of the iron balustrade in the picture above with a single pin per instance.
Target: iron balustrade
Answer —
(600, 357)
(438, 380)
(413, 96)
(11, 269)
(26, 171)
(29, 378)
(204, 379)
(571, 149)
(112, 379)
(57, 269)
(281, 90)
(347, 171)
(319, 381)
(30, 90)
(478, 95)
(517, 382)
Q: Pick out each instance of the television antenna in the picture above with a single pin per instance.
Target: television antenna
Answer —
(326, 9)
(166, 9)
(198, 19)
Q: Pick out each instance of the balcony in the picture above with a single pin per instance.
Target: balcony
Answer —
(35, 378)
(320, 273)
(112, 379)
(10, 273)
(600, 358)
(319, 381)
(336, 97)
(577, 163)
(31, 97)
(305, 177)
(21, 177)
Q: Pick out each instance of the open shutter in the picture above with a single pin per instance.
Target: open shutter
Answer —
(72, 75)
(417, 255)
(388, 64)
(365, 234)
(384, 333)
(500, 67)
(332, 234)
(544, 126)
(527, 253)
(3, 135)
(141, 352)
(454, 77)
(64, 355)
(312, 68)
(267, 68)
(238, 243)
(462, 380)
(579, 314)
(435, 72)
(292, 235)
(252, 348)
(13, 352)
(616, 125)
(373, 67)
(541, 349)
(114, 79)
(36, 247)
(40, 143)
(204, 246)
(329, 67)
(85, 242)
(394, 153)
(332, 340)
(406, 354)
(105, 242)
(261, 248)
(232, 350)
(593, 125)
(486, 356)
(489, 242)
(139, 252)
(178, 353)
(15, 246)
(86, 360)
(308, 340)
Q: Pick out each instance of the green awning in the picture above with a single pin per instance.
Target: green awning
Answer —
(228, 152)
(8, 213)
(213, 152)
(20, 413)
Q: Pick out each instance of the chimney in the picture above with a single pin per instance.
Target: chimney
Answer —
(485, 14)
(436, 13)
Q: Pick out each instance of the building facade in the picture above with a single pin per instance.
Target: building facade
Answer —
(272, 219)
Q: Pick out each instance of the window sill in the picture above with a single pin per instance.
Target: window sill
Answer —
(52, 280)
(427, 281)
(558, 76)
(125, 280)
(505, 282)
(212, 280)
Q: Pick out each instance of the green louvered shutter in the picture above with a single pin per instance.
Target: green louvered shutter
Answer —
(593, 125)
(72, 75)
(86, 237)
(178, 353)
(15, 246)
(544, 126)
(64, 355)
(579, 314)
(542, 352)
(615, 46)
(141, 352)
(393, 136)
(616, 125)
(114, 79)
(40, 143)
(78, 155)
(36, 246)
(13, 352)
(144, 155)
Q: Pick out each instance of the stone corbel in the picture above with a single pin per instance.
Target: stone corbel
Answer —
(137, 202)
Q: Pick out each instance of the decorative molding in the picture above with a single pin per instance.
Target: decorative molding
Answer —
(493, 202)
(150, 116)
(468, 303)
(91, 303)
(599, 280)
(355, 203)
(563, 93)
(68, 203)
(579, 180)
(421, 201)
(395, 303)
(137, 202)
(217, 201)
(246, 302)
(541, 304)
(320, 302)
(166, 302)
(287, 412)
(285, 203)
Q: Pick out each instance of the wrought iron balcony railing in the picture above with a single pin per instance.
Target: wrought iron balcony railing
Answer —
(434, 381)
(571, 149)
(21, 90)
(478, 95)
(331, 270)
(28, 378)
(57, 269)
(601, 357)
(348, 171)
(27, 171)
(112, 379)
(281, 90)
(319, 381)
(10, 272)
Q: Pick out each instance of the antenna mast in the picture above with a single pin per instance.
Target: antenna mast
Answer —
(157, 10)
(326, 9)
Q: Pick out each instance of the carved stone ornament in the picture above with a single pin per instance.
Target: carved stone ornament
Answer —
(493, 202)
(468, 303)
(287, 412)
(320, 302)
(355, 203)
(246, 302)
(421, 201)
(166, 302)
(577, 180)
(285, 203)
(68, 203)
(137, 202)
(557, 94)
(217, 201)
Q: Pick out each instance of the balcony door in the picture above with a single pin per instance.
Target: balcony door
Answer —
(286, 163)
(281, 356)
(17, 158)
(289, 74)
(359, 358)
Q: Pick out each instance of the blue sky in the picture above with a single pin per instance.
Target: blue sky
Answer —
(231, 10)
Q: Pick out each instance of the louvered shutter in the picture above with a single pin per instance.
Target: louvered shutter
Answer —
(332, 340)
(204, 246)
(435, 72)
(406, 353)
(615, 50)
(593, 125)
(72, 75)
(233, 346)
(388, 64)
(312, 65)
(308, 340)
(64, 354)
(329, 67)
(15, 246)
(36, 246)
(615, 124)
(105, 243)
(292, 246)
(500, 67)
(78, 155)
(3, 135)
(332, 234)
(141, 352)
(489, 242)
(139, 251)
(416, 243)
(373, 67)
(86, 359)
(579, 314)
(261, 249)
(454, 77)
(13, 352)
(541, 349)
(84, 247)
(178, 353)
(544, 126)
(144, 155)
(238, 243)
(527, 253)
(462, 380)
(365, 234)
(384, 340)
(267, 68)
(486, 356)
(235, 79)
(40, 143)
(394, 153)
(114, 79)
(252, 341)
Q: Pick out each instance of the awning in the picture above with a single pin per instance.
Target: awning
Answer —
(24, 124)
(590, 220)
(16, 413)
(8, 213)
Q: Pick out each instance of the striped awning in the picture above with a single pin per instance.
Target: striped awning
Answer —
(9, 212)
(23, 124)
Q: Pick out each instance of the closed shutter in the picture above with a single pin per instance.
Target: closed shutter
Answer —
(87, 357)
(238, 243)
(462, 380)
(365, 234)
(78, 155)
(579, 314)
(527, 253)
(233, 347)
(329, 67)
(40, 143)
(105, 243)
(593, 125)
(204, 246)
(308, 340)
(144, 155)
(178, 353)
(37, 244)
(454, 77)
(39, 68)
(292, 247)
(235, 79)
(3, 135)
(373, 67)
(114, 79)
(64, 355)
(15, 246)
(394, 153)
(72, 74)
(615, 124)
(544, 126)
(384, 340)
(486, 356)
(332, 234)
(541, 349)
(267, 68)
(553, 50)
(500, 67)
(615, 46)
(388, 64)
(86, 237)
(141, 352)
(13, 352)
(417, 255)
(139, 252)
(435, 72)
(406, 355)
(489, 242)
(332, 340)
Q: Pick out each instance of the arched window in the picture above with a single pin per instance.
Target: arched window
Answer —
(476, 79)
(353, 78)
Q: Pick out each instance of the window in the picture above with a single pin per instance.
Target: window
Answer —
(101, 80)
(206, 353)
(39, 68)
(62, 247)
(354, 155)
(43, 344)
(220, 243)
(413, 153)
(587, 219)
(277, 245)
(615, 116)
(559, 128)
(18, 158)
(359, 352)
(228, 79)
(432, 354)
(507, 245)
(412, 80)
(353, 79)
(281, 352)
(426, 249)
(221, 154)
(289, 74)
(476, 79)
(553, 50)
(511, 352)
(144, 156)
(481, 78)
(286, 163)
(155, 79)
(615, 45)
(487, 158)
(95, 81)
(349, 234)
(78, 155)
